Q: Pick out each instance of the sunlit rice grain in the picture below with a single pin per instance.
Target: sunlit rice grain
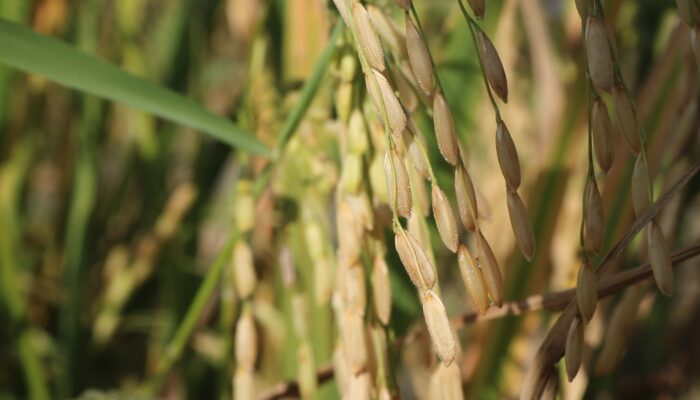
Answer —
(489, 269)
(445, 129)
(367, 37)
(419, 57)
(445, 219)
(439, 327)
(473, 279)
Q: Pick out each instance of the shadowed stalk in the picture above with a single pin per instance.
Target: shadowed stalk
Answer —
(12, 173)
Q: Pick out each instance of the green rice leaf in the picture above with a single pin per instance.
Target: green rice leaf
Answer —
(28, 51)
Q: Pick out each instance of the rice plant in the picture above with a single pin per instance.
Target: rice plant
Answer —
(349, 199)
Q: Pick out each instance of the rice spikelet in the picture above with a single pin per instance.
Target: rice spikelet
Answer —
(594, 224)
(473, 280)
(493, 67)
(627, 119)
(439, 327)
(586, 291)
(445, 219)
(399, 192)
(381, 289)
(520, 222)
(244, 270)
(466, 198)
(641, 192)
(489, 269)
(602, 135)
(573, 350)
(507, 156)
(419, 58)
(367, 38)
(246, 341)
(415, 260)
(445, 129)
(660, 258)
(394, 112)
(354, 343)
(600, 62)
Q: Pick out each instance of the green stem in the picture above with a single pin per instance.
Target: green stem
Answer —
(174, 348)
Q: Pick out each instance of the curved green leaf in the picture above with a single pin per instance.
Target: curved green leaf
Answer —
(57, 61)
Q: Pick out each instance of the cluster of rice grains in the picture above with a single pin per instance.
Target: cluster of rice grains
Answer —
(399, 78)
(240, 283)
(604, 77)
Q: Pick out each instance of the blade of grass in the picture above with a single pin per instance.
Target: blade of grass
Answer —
(57, 61)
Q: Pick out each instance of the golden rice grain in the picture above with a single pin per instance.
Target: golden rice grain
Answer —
(358, 140)
(399, 192)
(244, 270)
(419, 58)
(445, 219)
(361, 206)
(323, 281)
(341, 372)
(351, 176)
(343, 11)
(406, 94)
(394, 112)
(627, 118)
(466, 198)
(594, 224)
(384, 28)
(600, 62)
(479, 7)
(473, 280)
(381, 289)
(354, 289)
(349, 236)
(601, 128)
(348, 67)
(520, 222)
(243, 384)
(246, 345)
(445, 129)
(306, 371)
(378, 179)
(245, 206)
(343, 99)
(367, 37)
(413, 143)
(507, 156)
(641, 192)
(421, 201)
(439, 327)
(414, 259)
(489, 269)
(354, 343)
(493, 68)
(586, 291)
(573, 350)
(660, 258)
